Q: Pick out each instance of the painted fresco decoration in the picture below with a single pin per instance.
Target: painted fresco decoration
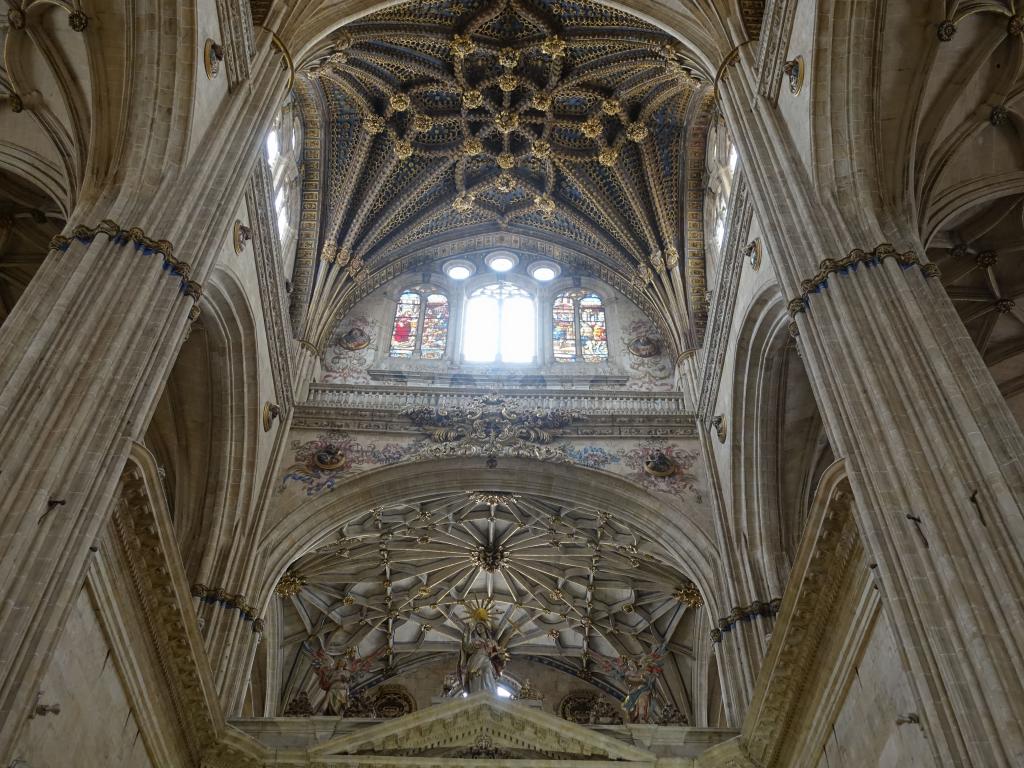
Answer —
(350, 353)
(321, 463)
(354, 339)
(649, 368)
(672, 463)
(640, 676)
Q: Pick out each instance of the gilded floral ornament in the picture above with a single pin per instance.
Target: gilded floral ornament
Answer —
(464, 202)
(403, 149)
(338, 59)
(374, 124)
(505, 183)
(508, 82)
(545, 205)
(689, 595)
(508, 57)
(462, 46)
(399, 102)
(637, 132)
(290, 585)
(592, 127)
(472, 146)
(553, 46)
(608, 156)
(541, 148)
(611, 107)
(422, 123)
(506, 121)
(327, 254)
(472, 99)
(946, 30)
(999, 115)
(78, 21)
(506, 161)
(541, 101)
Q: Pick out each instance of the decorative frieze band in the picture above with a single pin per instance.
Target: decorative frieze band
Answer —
(221, 597)
(138, 238)
(850, 263)
(752, 611)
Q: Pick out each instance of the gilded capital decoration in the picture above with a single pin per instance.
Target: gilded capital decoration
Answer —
(851, 263)
(757, 609)
(233, 602)
(147, 245)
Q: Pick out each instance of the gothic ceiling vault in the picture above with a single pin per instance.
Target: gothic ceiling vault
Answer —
(566, 120)
(565, 585)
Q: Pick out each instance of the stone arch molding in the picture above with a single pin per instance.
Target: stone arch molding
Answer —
(315, 521)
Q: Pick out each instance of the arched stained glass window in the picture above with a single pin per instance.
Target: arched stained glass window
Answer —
(579, 331)
(421, 324)
(500, 325)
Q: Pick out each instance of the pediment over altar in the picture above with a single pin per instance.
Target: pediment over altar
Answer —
(478, 727)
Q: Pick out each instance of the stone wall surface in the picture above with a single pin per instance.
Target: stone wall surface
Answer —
(96, 727)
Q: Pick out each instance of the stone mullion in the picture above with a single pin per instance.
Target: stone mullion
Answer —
(909, 404)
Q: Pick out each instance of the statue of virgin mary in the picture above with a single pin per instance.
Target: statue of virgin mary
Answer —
(480, 661)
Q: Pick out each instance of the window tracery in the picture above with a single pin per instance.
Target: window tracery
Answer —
(421, 324)
(500, 325)
(579, 329)
(283, 151)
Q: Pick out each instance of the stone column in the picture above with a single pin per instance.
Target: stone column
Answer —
(85, 354)
(933, 451)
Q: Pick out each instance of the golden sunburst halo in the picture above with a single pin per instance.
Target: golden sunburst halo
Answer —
(482, 610)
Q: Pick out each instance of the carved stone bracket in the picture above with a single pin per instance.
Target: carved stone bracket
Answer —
(850, 263)
(138, 238)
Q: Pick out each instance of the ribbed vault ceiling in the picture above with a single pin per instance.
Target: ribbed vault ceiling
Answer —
(567, 120)
(562, 583)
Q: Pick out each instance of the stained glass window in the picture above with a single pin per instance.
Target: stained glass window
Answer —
(564, 337)
(421, 324)
(579, 330)
(435, 327)
(500, 325)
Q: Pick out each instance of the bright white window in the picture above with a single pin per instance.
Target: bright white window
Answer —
(273, 147)
(500, 325)
(503, 692)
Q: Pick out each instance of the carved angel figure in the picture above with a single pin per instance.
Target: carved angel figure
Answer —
(336, 674)
(481, 661)
(640, 676)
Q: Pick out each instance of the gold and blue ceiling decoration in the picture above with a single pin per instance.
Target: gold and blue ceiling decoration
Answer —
(564, 120)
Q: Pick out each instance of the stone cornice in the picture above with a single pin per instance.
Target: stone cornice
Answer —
(776, 30)
(716, 340)
(830, 545)
(613, 413)
(267, 251)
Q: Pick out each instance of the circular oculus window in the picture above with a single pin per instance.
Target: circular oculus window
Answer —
(501, 261)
